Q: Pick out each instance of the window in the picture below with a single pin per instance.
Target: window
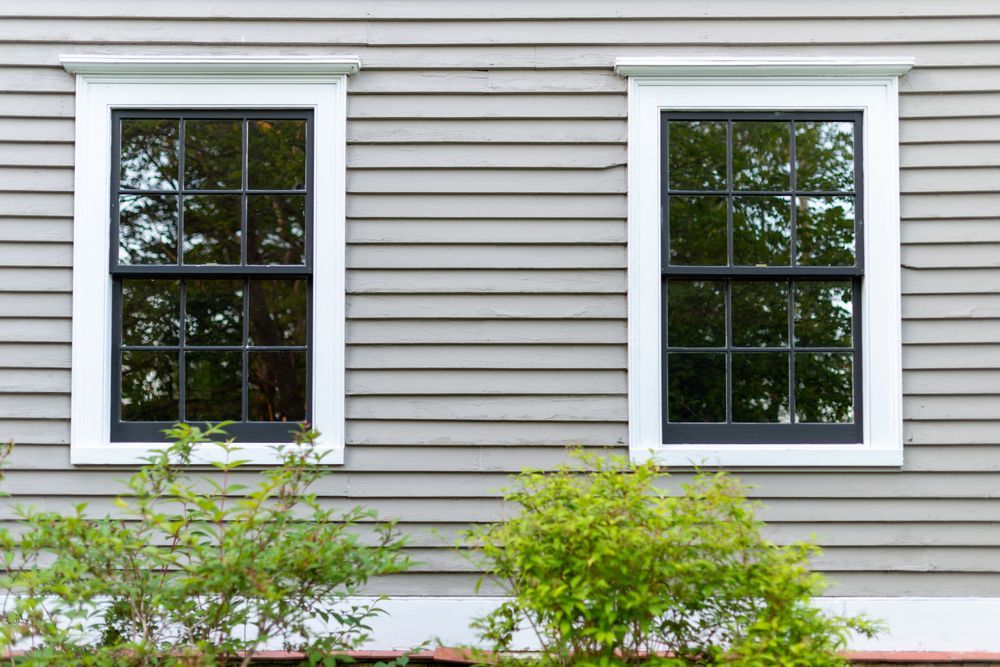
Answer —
(764, 304)
(762, 259)
(208, 258)
(211, 217)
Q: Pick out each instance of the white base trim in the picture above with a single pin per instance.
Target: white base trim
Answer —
(916, 623)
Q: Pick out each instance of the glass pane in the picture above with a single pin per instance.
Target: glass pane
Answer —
(214, 312)
(823, 310)
(762, 229)
(760, 313)
(147, 229)
(149, 386)
(824, 155)
(277, 386)
(760, 387)
(276, 229)
(698, 231)
(212, 229)
(278, 312)
(213, 386)
(151, 312)
(697, 155)
(696, 313)
(149, 153)
(213, 154)
(825, 231)
(824, 388)
(696, 387)
(277, 158)
(761, 155)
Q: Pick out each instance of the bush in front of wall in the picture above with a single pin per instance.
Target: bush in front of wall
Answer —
(605, 569)
(195, 568)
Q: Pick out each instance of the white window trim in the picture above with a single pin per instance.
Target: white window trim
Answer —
(802, 84)
(105, 83)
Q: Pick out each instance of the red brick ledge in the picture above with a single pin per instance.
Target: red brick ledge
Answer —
(457, 656)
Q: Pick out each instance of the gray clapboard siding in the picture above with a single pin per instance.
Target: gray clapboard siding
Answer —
(494, 231)
(486, 231)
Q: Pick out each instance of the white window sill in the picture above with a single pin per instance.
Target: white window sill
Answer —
(784, 456)
(135, 453)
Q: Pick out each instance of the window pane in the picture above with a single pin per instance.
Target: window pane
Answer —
(214, 314)
(824, 388)
(696, 313)
(823, 310)
(824, 154)
(213, 154)
(149, 386)
(760, 313)
(825, 231)
(212, 229)
(697, 155)
(760, 387)
(697, 387)
(762, 230)
(151, 312)
(213, 386)
(149, 153)
(277, 154)
(698, 231)
(147, 229)
(278, 312)
(761, 155)
(276, 227)
(277, 386)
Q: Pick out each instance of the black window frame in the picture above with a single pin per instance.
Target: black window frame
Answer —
(791, 433)
(242, 431)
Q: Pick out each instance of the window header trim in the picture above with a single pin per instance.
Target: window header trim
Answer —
(700, 66)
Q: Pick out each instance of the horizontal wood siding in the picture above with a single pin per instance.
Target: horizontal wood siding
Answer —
(486, 259)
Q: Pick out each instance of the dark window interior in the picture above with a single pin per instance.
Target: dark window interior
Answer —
(762, 275)
(211, 228)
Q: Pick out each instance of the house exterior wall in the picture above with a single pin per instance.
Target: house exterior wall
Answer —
(486, 205)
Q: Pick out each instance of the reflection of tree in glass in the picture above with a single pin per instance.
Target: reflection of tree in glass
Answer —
(276, 229)
(150, 312)
(696, 313)
(697, 155)
(760, 313)
(761, 155)
(213, 385)
(214, 314)
(277, 386)
(149, 386)
(213, 154)
(149, 153)
(824, 153)
(212, 229)
(825, 231)
(278, 316)
(696, 387)
(147, 231)
(698, 231)
(823, 388)
(823, 310)
(760, 387)
(762, 229)
(277, 154)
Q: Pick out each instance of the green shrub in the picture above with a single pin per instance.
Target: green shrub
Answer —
(196, 568)
(606, 570)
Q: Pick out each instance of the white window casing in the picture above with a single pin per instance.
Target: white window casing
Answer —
(106, 83)
(869, 85)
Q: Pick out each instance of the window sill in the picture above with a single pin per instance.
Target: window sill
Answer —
(778, 456)
(135, 453)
